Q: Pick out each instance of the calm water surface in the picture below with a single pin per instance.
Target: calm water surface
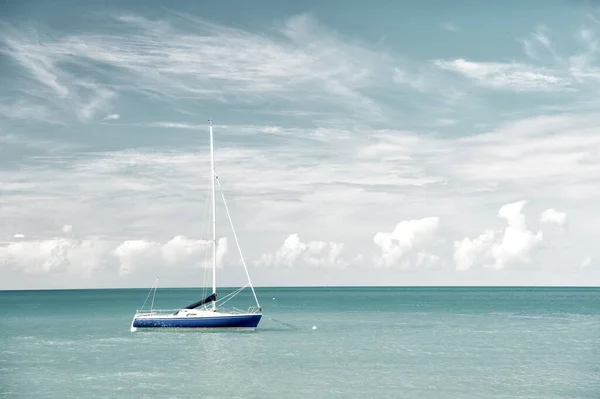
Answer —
(369, 343)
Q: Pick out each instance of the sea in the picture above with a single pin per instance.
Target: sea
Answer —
(340, 342)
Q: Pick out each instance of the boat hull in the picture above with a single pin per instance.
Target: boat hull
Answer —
(249, 321)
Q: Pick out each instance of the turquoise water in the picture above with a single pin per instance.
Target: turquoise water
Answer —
(369, 343)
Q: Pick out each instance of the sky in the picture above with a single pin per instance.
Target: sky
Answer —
(379, 143)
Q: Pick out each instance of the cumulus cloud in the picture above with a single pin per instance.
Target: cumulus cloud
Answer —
(499, 249)
(83, 256)
(553, 216)
(295, 253)
(180, 251)
(468, 251)
(53, 255)
(133, 254)
(518, 241)
(399, 247)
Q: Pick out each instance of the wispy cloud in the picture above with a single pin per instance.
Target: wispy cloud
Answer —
(130, 204)
(346, 172)
(549, 69)
(512, 76)
(535, 149)
(538, 45)
(578, 65)
(297, 66)
(583, 65)
(112, 117)
(449, 26)
(176, 125)
(43, 67)
(301, 63)
(23, 110)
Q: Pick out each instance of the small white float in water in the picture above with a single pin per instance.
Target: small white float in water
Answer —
(314, 327)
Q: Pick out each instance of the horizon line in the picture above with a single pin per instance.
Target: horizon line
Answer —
(309, 286)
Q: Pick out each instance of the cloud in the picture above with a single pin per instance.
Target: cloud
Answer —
(178, 252)
(511, 76)
(112, 117)
(548, 70)
(294, 253)
(468, 251)
(349, 146)
(133, 254)
(284, 68)
(47, 74)
(176, 125)
(518, 241)
(85, 256)
(168, 182)
(547, 150)
(449, 27)
(582, 64)
(553, 216)
(54, 255)
(579, 66)
(414, 80)
(23, 110)
(405, 240)
(322, 174)
(499, 249)
(539, 43)
(183, 56)
(586, 262)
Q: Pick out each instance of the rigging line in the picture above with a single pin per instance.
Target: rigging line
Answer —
(229, 296)
(236, 240)
(149, 292)
(205, 274)
(147, 296)
(155, 288)
(233, 293)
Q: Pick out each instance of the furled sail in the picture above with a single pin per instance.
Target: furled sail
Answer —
(210, 298)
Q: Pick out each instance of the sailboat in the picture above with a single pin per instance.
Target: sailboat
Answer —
(205, 313)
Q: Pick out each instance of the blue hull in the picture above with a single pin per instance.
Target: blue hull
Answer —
(233, 321)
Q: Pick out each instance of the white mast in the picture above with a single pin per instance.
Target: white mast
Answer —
(214, 212)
